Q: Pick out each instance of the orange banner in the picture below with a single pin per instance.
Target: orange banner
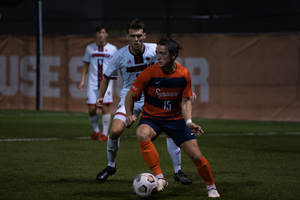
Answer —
(235, 77)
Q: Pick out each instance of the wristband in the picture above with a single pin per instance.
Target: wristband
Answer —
(188, 121)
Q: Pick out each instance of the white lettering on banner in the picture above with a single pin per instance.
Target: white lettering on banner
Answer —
(48, 76)
(12, 89)
(28, 78)
(26, 90)
(28, 85)
(75, 77)
(201, 79)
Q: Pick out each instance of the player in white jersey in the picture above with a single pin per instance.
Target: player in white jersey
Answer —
(130, 66)
(130, 61)
(96, 58)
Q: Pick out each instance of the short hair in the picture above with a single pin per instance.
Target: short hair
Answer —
(100, 27)
(136, 24)
(173, 46)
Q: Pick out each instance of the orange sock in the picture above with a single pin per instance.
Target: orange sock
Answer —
(151, 156)
(204, 171)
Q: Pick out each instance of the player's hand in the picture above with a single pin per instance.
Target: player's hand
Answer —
(194, 97)
(197, 130)
(80, 86)
(99, 103)
(130, 120)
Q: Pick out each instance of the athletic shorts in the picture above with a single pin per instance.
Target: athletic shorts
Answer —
(93, 95)
(121, 112)
(176, 129)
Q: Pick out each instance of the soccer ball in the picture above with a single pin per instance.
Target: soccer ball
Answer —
(145, 184)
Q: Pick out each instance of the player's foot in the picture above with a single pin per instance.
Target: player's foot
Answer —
(180, 176)
(108, 171)
(213, 192)
(162, 183)
(103, 138)
(95, 136)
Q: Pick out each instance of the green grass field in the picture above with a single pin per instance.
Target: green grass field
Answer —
(48, 155)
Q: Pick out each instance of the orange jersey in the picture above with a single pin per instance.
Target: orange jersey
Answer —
(163, 92)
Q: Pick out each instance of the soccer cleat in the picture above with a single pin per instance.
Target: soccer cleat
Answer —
(95, 135)
(103, 138)
(103, 175)
(213, 192)
(162, 183)
(180, 176)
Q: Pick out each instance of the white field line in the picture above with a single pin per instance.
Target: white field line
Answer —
(132, 136)
(3, 114)
(28, 139)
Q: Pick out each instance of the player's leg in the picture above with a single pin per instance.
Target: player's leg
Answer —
(113, 143)
(117, 128)
(145, 135)
(106, 119)
(106, 116)
(91, 102)
(175, 154)
(192, 149)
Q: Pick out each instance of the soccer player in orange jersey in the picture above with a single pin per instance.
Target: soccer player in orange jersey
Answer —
(129, 61)
(167, 108)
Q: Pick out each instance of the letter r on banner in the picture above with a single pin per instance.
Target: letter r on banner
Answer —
(198, 79)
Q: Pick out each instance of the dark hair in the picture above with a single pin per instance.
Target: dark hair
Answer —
(136, 24)
(173, 46)
(99, 27)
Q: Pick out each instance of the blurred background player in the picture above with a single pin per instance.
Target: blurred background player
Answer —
(95, 60)
(167, 108)
(130, 61)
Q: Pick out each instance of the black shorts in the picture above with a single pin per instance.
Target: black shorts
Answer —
(176, 129)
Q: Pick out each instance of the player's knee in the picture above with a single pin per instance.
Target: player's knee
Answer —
(105, 109)
(143, 133)
(142, 137)
(92, 111)
(116, 129)
(195, 157)
(114, 135)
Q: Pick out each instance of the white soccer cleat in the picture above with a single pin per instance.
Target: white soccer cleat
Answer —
(213, 192)
(161, 184)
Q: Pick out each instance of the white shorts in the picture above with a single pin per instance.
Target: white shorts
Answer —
(121, 112)
(93, 95)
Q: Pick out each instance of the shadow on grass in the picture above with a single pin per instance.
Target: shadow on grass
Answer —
(122, 189)
(91, 181)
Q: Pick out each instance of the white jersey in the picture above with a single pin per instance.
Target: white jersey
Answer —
(97, 57)
(130, 66)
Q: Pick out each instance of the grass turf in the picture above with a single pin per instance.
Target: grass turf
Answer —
(249, 159)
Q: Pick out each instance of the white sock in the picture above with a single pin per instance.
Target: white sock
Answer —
(94, 122)
(159, 176)
(105, 123)
(208, 187)
(112, 150)
(175, 154)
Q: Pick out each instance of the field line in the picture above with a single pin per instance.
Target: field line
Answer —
(42, 114)
(133, 136)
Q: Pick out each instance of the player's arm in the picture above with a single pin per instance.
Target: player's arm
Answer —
(186, 109)
(103, 88)
(129, 104)
(83, 74)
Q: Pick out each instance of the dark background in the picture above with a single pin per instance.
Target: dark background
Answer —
(79, 17)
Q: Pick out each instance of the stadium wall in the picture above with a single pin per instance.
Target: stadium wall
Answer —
(248, 77)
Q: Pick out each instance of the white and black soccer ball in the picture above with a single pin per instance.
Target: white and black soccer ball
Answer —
(145, 184)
